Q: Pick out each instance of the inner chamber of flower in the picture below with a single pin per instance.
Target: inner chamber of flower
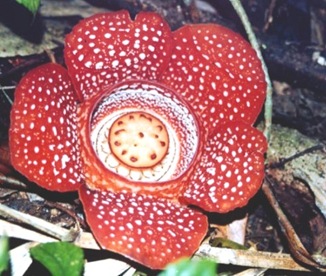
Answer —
(143, 132)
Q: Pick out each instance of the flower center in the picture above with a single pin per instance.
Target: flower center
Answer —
(139, 140)
(144, 132)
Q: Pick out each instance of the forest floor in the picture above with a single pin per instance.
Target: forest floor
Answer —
(292, 35)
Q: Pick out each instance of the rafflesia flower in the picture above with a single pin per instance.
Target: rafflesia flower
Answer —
(144, 123)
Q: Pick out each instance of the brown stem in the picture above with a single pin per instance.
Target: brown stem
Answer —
(296, 247)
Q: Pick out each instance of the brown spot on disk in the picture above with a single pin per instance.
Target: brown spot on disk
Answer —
(133, 159)
(153, 156)
(138, 140)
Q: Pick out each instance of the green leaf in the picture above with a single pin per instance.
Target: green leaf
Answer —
(186, 267)
(4, 253)
(221, 242)
(60, 258)
(31, 5)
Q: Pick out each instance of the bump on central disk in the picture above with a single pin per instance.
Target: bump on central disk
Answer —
(138, 140)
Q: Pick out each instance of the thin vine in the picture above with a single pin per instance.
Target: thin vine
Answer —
(237, 5)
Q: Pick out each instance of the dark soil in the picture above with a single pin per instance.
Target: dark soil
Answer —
(292, 34)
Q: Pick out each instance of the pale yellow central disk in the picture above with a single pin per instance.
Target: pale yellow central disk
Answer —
(138, 140)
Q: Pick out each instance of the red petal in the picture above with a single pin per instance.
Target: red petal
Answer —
(151, 231)
(43, 138)
(231, 169)
(110, 47)
(218, 72)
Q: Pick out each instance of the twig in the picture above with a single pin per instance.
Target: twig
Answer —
(50, 55)
(295, 245)
(84, 240)
(40, 224)
(20, 259)
(6, 95)
(12, 181)
(269, 19)
(15, 231)
(253, 40)
(11, 87)
(249, 258)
